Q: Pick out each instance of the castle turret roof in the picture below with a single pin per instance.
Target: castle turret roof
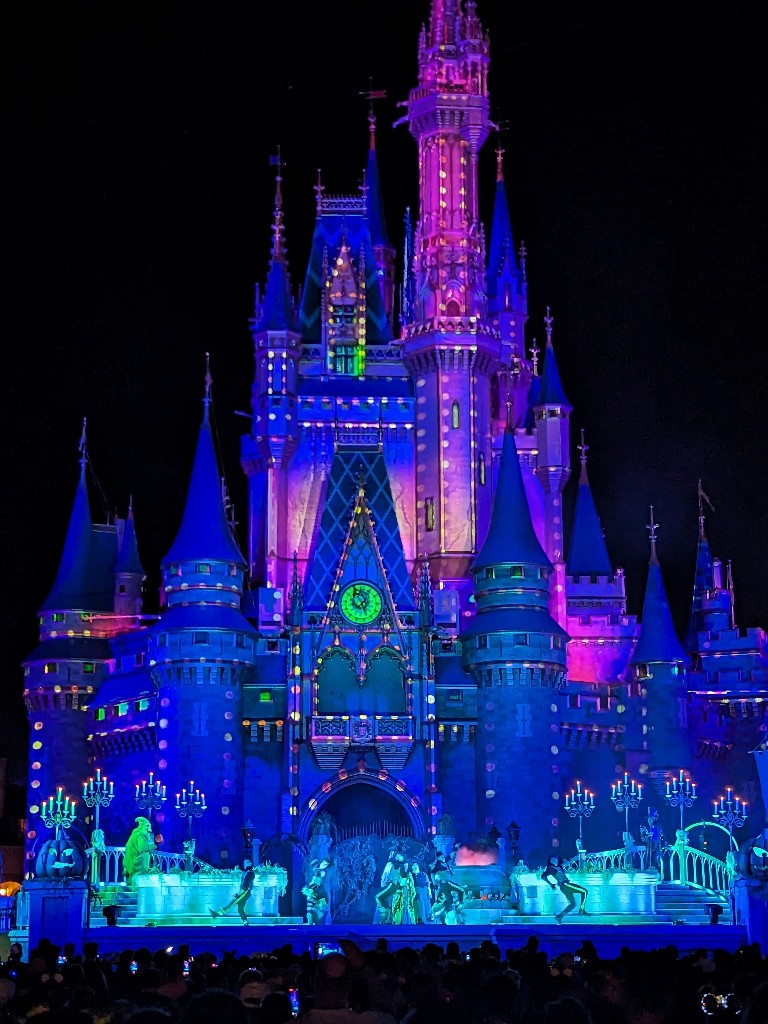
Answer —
(511, 537)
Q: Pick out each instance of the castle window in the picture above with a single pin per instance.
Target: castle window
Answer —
(50, 668)
(344, 359)
(58, 616)
(121, 588)
(490, 574)
(482, 643)
(642, 672)
(543, 574)
(204, 569)
(517, 571)
(557, 643)
(142, 705)
(429, 514)
(455, 417)
(232, 570)
(162, 640)
(265, 697)
(122, 709)
(239, 639)
(574, 700)
(604, 703)
(455, 697)
(101, 714)
(481, 468)
(273, 646)
(200, 638)
(139, 659)
(520, 639)
(88, 668)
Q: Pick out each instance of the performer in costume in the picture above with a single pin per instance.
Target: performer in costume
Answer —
(243, 894)
(137, 859)
(389, 880)
(316, 891)
(653, 840)
(449, 898)
(423, 895)
(403, 909)
(556, 878)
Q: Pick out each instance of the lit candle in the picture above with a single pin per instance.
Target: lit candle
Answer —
(163, 791)
(639, 790)
(203, 802)
(667, 787)
(178, 795)
(592, 799)
(578, 786)
(613, 790)
(85, 788)
(693, 784)
(143, 788)
(567, 798)
(111, 789)
(44, 806)
(744, 808)
(633, 787)
(714, 810)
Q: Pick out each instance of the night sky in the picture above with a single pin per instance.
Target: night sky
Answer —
(138, 205)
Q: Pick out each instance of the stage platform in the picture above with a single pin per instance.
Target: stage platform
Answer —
(258, 938)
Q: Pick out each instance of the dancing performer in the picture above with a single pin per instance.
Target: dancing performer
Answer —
(556, 878)
(243, 894)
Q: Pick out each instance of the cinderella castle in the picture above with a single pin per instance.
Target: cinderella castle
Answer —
(407, 630)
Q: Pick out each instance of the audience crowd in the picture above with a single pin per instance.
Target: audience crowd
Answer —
(430, 985)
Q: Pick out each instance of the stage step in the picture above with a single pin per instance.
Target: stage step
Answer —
(679, 903)
(199, 921)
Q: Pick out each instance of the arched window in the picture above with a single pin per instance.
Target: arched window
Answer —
(481, 468)
(429, 514)
(455, 418)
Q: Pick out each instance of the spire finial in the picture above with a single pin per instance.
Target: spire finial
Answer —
(729, 585)
(499, 163)
(653, 527)
(83, 450)
(510, 424)
(522, 253)
(130, 506)
(372, 94)
(319, 189)
(535, 358)
(583, 449)
(702, 497)
(278, 244)
(548, 320)
(208, 382)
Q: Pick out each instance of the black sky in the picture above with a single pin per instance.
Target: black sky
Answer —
(138, 204)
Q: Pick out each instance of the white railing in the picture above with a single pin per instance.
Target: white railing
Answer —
(680, 863)
(111, 864)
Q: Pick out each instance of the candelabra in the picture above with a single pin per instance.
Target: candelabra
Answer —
(731, 812)
(97, 793)
(626, 794)
(580, 804)
(150, 795)
(682, 794)
(58, 812)
(190, 803)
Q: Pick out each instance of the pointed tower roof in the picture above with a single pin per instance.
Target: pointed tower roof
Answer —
(510, 537)
(373, 197)
(551, 391)
(703, 579)
(658, 640)
(588, 555)
(502, 245)
(83, 579)
(205, 532)
(128, 558)
(278, 311)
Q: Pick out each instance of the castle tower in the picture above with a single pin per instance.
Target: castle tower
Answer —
(77, 620)
(553, 467)
(267, 451)
(200, 654)
(383, 249)
(507, 289)
(129, 574)
(602, 633)
(515, 652)
(449, 349)
(659, 666)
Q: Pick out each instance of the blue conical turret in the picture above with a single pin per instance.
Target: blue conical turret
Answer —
(658, 641)
(588, 555)
(703, 580)
(84, 579)
(510, 537)
(205, 531)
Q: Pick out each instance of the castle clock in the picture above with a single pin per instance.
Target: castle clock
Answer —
(360, 603)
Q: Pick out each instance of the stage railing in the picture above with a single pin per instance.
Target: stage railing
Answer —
(681, 864)
(111, 868)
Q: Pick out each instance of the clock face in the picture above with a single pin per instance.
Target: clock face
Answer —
(360, 603)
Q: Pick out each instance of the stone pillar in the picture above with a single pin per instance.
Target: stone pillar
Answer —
(58, 910)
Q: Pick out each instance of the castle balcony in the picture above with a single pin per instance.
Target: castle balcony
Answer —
(391, 736)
